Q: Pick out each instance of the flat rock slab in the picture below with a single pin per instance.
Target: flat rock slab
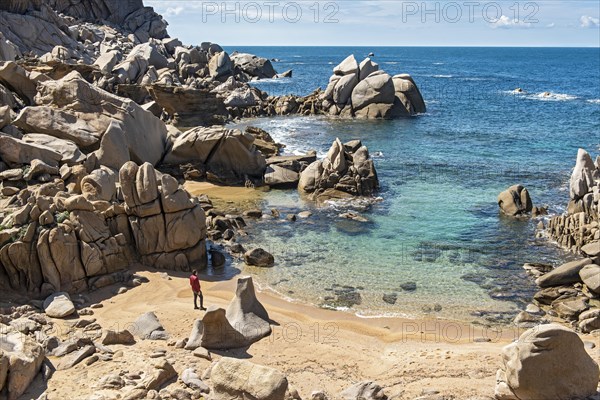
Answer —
(591, 249)
(76, 357)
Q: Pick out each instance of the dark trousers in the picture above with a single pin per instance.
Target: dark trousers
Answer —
(196, 295)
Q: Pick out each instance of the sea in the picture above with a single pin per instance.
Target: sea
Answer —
(435, 244)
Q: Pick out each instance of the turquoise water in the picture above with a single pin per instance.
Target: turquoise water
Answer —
(438, 223)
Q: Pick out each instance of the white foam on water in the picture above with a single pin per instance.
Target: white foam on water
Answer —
(443, 76)
(594, 101)
(438, 63)
(550, 96)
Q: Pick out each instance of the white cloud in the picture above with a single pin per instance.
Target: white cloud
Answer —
(589, 22)
(173, 11)
(505, 22)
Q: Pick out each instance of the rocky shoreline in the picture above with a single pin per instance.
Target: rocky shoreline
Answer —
(103, 117)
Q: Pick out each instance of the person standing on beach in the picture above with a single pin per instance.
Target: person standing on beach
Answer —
(195, 284)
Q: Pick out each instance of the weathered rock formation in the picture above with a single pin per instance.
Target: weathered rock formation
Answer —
(346, 171)
(547, 362)
(244, 322)
(54, 241)
(364, 91)
(515, 201)
(229, 155)
(580, 226)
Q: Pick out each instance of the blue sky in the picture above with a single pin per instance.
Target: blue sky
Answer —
(384, 23)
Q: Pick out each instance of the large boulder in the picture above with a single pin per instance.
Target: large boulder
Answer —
(228, 154)
(408, 94)
(16, 151)
(220, 66)
(347, 67)
(367, 67)
(234, 379)
(71, 108)
(253, 66)
(547, 362)
(582, 179)
(376, 88)
(259, 257)
(18, 80)
(565, 274)
(114, 150)
(21, 358)
(590, 275)
(515, 201)
(343, 89)
(71, 154)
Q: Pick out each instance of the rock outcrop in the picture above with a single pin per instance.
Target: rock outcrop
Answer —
(364, 91)
(57, 241)
(229, 155)
(580, 226)
(547, 362)
(72, 109)
(346, 171)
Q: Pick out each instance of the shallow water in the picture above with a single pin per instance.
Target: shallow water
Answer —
(438, 223)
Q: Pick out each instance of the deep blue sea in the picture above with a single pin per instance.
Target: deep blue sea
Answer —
(438, 223)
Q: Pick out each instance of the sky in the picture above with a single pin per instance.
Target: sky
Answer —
(568, 23)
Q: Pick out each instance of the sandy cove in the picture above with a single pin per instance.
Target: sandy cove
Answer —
(347, 348)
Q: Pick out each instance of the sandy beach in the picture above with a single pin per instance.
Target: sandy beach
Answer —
(317, 349)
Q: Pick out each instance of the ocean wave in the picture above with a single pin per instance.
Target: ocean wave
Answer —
(438, 63)
(550, 96)
(390, 62)
(378, 154)
(594, 101)
(517, 91)
(443, 76)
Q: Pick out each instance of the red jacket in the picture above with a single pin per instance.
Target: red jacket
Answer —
(195, 283)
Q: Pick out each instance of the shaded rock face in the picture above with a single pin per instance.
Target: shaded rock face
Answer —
(580, 226)
(346, 171)
(62, 241)
(229, 155)
(547, 362)
(240, 379)
(244, 322)
(364, 91)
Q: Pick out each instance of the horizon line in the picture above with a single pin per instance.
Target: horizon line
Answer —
(420, 46)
